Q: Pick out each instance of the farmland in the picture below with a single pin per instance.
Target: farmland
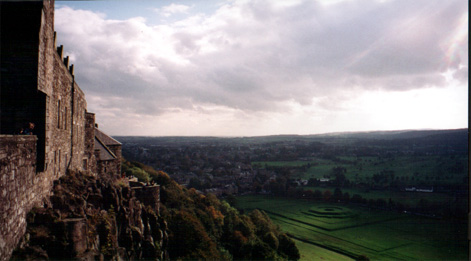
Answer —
(350, 231)
(383, 177)
(398, 195)
(407, 170)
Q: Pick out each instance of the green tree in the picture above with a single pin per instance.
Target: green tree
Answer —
(261, 221)
(188, 238)
(327, 195)
(357, 198)
(139, 173)
(271, 239)
(261, 251)
(339, 174)
(317, 194)
(232, 200)
(288, 248)
(195, 183)
(346, 197)
(337, 194)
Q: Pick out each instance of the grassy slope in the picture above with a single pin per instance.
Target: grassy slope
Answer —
(312, 252)
(376, 234)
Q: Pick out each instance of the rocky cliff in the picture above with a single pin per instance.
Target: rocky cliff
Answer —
(92, 218)
(89, 218)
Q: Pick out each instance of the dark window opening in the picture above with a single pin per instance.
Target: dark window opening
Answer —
(59, 114)
(85, 164)
(59, 161)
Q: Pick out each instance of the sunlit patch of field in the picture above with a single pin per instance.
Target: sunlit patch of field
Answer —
(312, 252)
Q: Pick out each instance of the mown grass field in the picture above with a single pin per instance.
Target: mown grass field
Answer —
(312, 252)
(350, 231)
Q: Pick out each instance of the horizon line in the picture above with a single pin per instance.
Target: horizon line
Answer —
(274, 135)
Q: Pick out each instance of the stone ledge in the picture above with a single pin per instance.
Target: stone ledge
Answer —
(8, 137)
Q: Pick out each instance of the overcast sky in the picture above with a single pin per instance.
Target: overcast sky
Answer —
(249, 68)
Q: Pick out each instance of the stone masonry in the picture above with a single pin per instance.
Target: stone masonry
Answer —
(17, 177)
(38, 85)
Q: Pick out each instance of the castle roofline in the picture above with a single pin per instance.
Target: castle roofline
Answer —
(107, 140)
(105, 153)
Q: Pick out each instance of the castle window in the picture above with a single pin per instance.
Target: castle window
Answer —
(59, 160)
(85, 164)
(59, 114)
(55, 161)
(65, 118)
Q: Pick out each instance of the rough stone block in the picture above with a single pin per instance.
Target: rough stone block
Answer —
(77, 234)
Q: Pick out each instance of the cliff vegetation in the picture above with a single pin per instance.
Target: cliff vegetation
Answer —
(92, 217)
(203, 227)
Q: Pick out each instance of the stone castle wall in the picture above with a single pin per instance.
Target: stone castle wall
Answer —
(19, 186)
(38, 85)
(148, 195)
(89, 162)
(65, 119)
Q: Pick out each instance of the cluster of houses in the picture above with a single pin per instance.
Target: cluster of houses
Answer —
(419, 189)
(227, 168)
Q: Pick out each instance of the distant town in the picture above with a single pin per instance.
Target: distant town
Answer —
(280, 164)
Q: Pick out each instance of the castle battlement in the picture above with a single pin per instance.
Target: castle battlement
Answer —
(38, 85)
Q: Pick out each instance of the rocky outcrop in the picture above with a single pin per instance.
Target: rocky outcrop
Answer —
(92, 218)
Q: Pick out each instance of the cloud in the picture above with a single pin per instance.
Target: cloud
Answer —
(256, 57)
(172, 9)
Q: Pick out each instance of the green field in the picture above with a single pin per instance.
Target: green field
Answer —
(309, 251)
(407, 198)
(340, 232)
(408, 170)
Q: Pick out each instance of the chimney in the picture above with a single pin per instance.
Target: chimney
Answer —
(71, 69)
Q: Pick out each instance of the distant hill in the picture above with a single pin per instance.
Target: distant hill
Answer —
(452, 134)
(398, 134)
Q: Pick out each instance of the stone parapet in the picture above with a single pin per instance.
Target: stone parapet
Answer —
(148, 195)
